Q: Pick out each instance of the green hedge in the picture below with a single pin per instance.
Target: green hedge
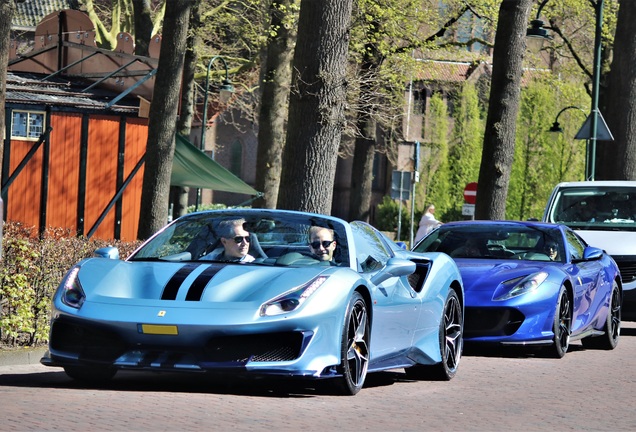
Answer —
(32, 267)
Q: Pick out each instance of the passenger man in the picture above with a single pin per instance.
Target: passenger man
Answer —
(235, 241)
(322, 243)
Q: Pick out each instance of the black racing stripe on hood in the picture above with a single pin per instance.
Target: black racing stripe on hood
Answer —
(172, 287)
(196, 289)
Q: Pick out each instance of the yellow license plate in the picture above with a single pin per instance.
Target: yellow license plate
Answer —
(159, 329)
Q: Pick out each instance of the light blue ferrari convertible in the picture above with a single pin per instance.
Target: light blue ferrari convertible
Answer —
(261, 293)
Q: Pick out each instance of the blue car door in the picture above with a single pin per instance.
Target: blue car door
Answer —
(396, 314)
(586, 276)
(396, 309)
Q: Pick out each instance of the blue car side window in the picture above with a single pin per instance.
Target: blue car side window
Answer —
(575, 247)
(371, 252)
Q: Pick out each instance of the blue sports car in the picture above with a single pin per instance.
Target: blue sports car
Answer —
(261, 293)
(532, 283)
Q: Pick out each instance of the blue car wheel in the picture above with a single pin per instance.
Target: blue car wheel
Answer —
(562, 324)
(90, 374)
(355, 347)
(612, 327)
(451, 344)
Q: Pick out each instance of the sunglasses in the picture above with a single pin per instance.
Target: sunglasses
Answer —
(325, 243)
(239, 239)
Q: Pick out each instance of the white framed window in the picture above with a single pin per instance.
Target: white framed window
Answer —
(27, 124)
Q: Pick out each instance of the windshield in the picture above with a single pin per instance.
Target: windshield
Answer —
(266, 238)
(595, 207)
(496, 241)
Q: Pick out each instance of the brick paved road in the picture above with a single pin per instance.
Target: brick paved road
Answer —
(503, 391)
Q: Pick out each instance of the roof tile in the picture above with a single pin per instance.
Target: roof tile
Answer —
(31, 12)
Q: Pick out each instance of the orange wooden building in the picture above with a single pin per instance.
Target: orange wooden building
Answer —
(75, 175)
(74, 139)
(76, 132)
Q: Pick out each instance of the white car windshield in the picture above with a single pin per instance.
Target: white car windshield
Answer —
(598, 208)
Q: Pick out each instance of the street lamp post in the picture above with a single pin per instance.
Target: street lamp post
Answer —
(556, 127)
(225, 92)
(590, 129)
(596, 76)
(537, 34)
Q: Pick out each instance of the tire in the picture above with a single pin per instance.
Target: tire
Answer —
(451, 328)
(355, 348)
(90, 374)
(612, 327)
(562, 325)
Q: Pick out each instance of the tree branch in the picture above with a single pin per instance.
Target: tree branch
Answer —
(440, 33)
(555, 28)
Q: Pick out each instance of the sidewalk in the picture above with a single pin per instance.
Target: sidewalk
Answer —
(21, 356)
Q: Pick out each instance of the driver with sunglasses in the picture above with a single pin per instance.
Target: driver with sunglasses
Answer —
(235, 241)
(322, 243)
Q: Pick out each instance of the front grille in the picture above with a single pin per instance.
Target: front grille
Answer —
(627, 266)
(95, 345)
(257, 347)
(480, 322)
(89, 343)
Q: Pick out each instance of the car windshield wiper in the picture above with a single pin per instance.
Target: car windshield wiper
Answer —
(180, 257)
(145, 259)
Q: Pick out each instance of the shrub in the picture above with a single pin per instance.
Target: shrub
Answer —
(32, 267)
(386, 215)
(203, 207)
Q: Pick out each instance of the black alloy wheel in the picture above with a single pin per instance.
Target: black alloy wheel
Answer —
(451, 344)
(612, 327)
(562, 324)
(355, 347)
(90, 374)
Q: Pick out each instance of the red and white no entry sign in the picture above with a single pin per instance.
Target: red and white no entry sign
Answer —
(470, 193)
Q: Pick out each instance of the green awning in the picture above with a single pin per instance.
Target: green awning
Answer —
(193, 168)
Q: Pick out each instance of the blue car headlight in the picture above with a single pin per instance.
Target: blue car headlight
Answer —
(519, 286)
(72, 292)
(291, 300)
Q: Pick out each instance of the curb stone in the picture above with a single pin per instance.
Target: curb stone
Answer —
(21, 356)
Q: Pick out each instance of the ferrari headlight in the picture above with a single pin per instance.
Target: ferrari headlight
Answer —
(520, 286)
(72, 292)
(291, 300)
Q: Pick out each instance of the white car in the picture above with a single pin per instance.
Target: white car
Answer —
(604, 214)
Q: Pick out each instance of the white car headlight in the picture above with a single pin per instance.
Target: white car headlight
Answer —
(72, 292)
(291, 300)
(520, 286)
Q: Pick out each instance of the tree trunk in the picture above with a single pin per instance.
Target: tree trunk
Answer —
(179, 195)
(143, 26)
(316, 106)
(162, 120)
(365, 143)
(274, 104)
(364, 152)
(499, 138)
(618, 157)
(7, 9)
(104, 37)
(362, 173)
